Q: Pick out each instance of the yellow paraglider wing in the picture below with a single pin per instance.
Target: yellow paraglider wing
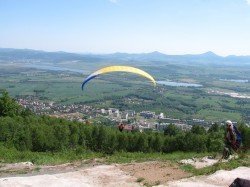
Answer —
(120, 69)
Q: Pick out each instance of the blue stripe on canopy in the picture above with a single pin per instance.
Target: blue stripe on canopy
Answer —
(88, 79)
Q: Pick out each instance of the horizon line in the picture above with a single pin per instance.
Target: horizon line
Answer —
(108, 53)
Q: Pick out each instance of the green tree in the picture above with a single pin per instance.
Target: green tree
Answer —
(22, 137)
(110, 145)
(245, 133)
(142, 143)
(167, 144)
(62, 134)
(198, 129)
(157, 143)
(214, 128)
(8, 106)
(122, 141)
(171, 130)
(74, 134)
(7, 130)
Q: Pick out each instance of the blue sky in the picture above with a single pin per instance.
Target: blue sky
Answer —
(106, 26)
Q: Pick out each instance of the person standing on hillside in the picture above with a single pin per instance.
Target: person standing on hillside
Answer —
(121, 127)
(233, 139)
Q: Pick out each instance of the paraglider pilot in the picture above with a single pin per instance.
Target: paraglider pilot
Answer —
(233, 139)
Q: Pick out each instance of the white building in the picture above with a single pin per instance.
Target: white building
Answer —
(161, 116)
(103, 111)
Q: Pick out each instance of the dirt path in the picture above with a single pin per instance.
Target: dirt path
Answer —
(90, 174)
(127, 175)
(103, 175)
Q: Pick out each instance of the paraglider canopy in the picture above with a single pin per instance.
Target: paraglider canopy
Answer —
(119, 69)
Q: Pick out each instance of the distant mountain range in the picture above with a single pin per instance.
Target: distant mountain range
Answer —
(9, 54)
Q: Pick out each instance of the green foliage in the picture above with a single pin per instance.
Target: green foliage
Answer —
(140, 179)
(171, 130)
(214, 128)
(157, 143)
(127, 157)
(48, 134)
(215, 141)
(245, 132)
(141, 143)
(43, 133)
(8, 106)
(197, 129)
(9, 155)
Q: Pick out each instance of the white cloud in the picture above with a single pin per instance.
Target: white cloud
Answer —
(248, 2)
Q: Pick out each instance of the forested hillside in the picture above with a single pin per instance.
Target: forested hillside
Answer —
(21, 129)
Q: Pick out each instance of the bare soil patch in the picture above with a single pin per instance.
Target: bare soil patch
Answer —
(154, 173)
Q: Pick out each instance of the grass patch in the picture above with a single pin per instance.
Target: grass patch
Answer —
(37, 169)
(140, 179)
(157, 183)
(11, 155)
(126, 157)
(147, 184)
(187, 167)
